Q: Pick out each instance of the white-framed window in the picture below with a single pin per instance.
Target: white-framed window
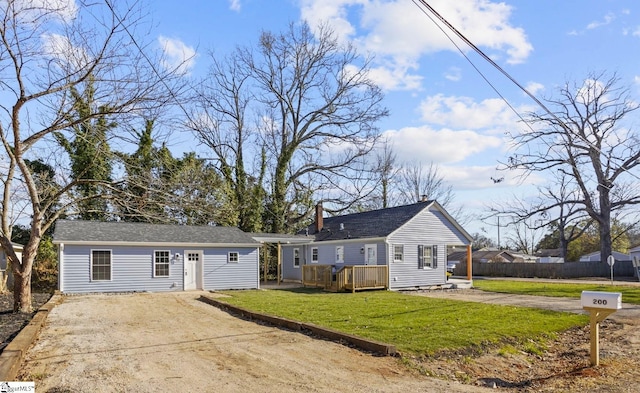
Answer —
(100, 265)
(427, 257)
(314, 255)
(398, 252)
(234, 257)
(161, 261)
(339, 254)
(296, 257)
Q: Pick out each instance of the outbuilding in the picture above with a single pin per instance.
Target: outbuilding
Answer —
(129, 257)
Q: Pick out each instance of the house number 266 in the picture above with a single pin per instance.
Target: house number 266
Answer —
(602, 302)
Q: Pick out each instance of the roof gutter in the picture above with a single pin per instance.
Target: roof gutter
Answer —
(152, 244)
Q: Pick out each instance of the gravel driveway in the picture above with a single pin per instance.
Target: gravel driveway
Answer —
(172, 342)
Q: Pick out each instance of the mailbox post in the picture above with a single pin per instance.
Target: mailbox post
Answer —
(600, 305)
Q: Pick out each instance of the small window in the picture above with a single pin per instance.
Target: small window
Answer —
(314, 255)
(427, 257)
(234, 257)
(296, 257)
(339, 254)
(398, 253)
(101, 265)
(161, 264)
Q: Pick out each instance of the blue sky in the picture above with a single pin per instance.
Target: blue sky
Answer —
(441, 108)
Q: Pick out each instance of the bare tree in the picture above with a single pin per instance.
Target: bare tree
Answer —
(524, 236)
(44, 53)
(417, 183)
(315, 110)
(388, 169)
(554, 206)
(219, 121)
(587, 140)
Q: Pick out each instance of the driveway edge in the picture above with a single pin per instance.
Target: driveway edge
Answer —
(13, 354)
(333, 335)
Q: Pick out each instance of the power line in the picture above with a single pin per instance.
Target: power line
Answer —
(559, 121)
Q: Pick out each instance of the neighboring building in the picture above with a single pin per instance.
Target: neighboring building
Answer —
(595, 257)
(4, 271)
(127, 257)
(488, 256)
(634, 252)
(552, 255)
(411, 240)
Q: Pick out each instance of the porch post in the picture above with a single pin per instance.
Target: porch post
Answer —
(265, 258)
(279, 261)
(469, 262)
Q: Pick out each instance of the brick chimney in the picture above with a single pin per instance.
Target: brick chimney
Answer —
(319, 222)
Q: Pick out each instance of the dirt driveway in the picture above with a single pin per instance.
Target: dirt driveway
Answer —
(172, 342)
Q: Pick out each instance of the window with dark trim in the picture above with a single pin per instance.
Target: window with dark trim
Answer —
(100, 265)
(427, 257)
(314, 255)
(161, 261)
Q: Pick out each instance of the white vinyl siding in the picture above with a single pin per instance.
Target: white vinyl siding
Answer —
(161, 261)
(431, 228)
(218, 274)
(131, 270)
(100, 265)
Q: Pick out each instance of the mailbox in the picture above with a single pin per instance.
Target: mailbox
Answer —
(605, 300)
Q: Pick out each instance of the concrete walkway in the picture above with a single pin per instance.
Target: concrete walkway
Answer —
(630, 313)
(627, 281)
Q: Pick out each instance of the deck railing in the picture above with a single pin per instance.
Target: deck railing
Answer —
(350, 278)
(316, 276)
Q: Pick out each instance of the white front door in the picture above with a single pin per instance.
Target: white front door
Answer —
(192, 262)
(370, 257)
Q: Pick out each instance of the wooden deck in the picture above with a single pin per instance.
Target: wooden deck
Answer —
(346, 278)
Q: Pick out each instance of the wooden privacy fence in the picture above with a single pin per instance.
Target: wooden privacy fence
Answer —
(346, 278)
(548, 270)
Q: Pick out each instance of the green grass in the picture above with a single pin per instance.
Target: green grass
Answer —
(414, 324)
(630, 294)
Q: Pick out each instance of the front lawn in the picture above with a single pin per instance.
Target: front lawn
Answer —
(414, 324)
(630, 294)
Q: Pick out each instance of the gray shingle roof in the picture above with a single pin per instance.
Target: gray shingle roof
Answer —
(125, 232)
(369, 224)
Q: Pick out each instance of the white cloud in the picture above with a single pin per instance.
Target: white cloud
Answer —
(234, 5)
(65, 10)
(453, 74)
(64, 52)
(177, 55)
(425, 144)
(636, 79)
(464, 112)
(636, 32)
(607, 19)
(400, 33)
(534, 87)
(395, 78)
